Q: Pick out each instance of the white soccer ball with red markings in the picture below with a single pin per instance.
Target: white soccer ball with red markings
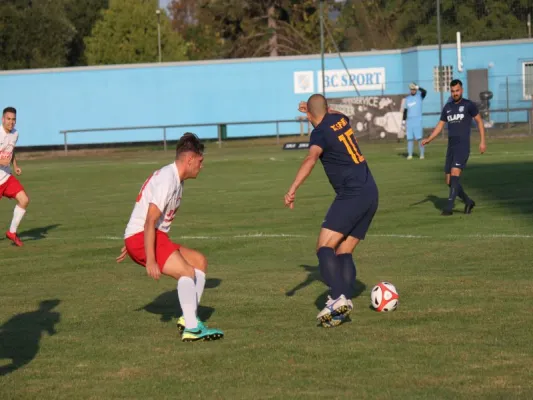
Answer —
(384, 297)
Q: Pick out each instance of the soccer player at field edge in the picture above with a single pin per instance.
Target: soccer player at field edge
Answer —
(350, 215)
(148, 244)
(10, 186)
(458, 114)
(412, 118)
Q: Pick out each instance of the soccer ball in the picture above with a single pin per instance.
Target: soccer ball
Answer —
(384, 297)
(382, 135)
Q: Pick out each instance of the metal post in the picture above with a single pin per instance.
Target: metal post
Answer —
(531, 116)
(165, 139)
(158, 12)
(507, 100)
(219, 136)
(439, 38)
(308, 127)
(277, 132)
(65, 140)
(529, 25)
(301, 126)
(322, 47)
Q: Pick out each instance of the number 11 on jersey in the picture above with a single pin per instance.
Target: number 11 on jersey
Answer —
(350, 142)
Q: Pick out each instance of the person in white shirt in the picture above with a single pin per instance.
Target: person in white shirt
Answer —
(10, 186)
(147, 242)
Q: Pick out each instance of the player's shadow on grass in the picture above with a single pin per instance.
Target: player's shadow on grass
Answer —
(20, 336)
(313, 274)
(507, 184)
(37, 233)
(167, 305)
(438, 202)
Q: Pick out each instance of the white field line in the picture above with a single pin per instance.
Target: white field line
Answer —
(288, 236)
(394, 235)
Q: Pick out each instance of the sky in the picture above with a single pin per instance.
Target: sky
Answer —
(164, 3)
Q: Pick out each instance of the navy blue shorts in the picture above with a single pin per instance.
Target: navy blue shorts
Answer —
(351, 216)
(456, 157)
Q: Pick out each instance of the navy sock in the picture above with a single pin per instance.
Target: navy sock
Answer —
(462, 195)
(348, 273)
(454, 188)
(330, 269)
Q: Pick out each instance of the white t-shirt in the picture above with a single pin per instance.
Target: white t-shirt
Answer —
(8, 141)
(164, 190)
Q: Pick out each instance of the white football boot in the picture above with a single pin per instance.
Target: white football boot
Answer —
(334, 308)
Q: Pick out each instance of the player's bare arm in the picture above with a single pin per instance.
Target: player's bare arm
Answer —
(16, 168)
(436, 132)
(302, 174)
(123, 254)
(152, 269)
(481, 127)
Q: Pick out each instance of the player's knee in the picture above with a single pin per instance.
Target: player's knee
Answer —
(202, 263)
(187, 270)
(23, 199)
(179, 271)
(177, 267)
(322, 245)
(347, 246)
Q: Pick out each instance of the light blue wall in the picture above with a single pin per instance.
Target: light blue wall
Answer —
(505, 59)
(224, 91)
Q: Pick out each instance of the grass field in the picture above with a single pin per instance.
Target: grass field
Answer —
(107, 331)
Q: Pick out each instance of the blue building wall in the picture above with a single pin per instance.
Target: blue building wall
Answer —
(228, 91)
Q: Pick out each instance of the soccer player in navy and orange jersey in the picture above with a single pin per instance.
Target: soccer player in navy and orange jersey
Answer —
(356, 202)
(458, 114)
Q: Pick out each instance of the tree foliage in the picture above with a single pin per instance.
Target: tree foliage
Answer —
(246, 28)
(34, 34)
(54, 33)
(83, 14)
(127, 33)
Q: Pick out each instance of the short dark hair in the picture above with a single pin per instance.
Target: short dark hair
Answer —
(189, 142)
(9, 109)
(456, 82)
(317, 104)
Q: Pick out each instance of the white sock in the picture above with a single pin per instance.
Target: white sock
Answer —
(200, 284)
(18, 213)
(187, 295)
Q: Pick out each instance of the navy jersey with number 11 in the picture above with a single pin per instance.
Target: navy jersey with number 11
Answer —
(344, 164)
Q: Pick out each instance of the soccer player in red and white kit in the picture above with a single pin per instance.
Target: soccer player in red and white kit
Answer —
(10, 187)
(148, 244)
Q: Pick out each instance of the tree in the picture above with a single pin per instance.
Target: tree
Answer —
(127, 33)
(34, 34)
(198, 23)
(247, 28)
(368, 24)
(383, 24)
(83, 14)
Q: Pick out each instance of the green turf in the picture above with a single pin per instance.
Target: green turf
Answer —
(462, 329)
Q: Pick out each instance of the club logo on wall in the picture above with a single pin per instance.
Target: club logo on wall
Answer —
(373, 117)
(303, 82)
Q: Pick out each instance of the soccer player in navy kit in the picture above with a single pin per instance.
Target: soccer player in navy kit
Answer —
(349, 217)
(458, 114)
